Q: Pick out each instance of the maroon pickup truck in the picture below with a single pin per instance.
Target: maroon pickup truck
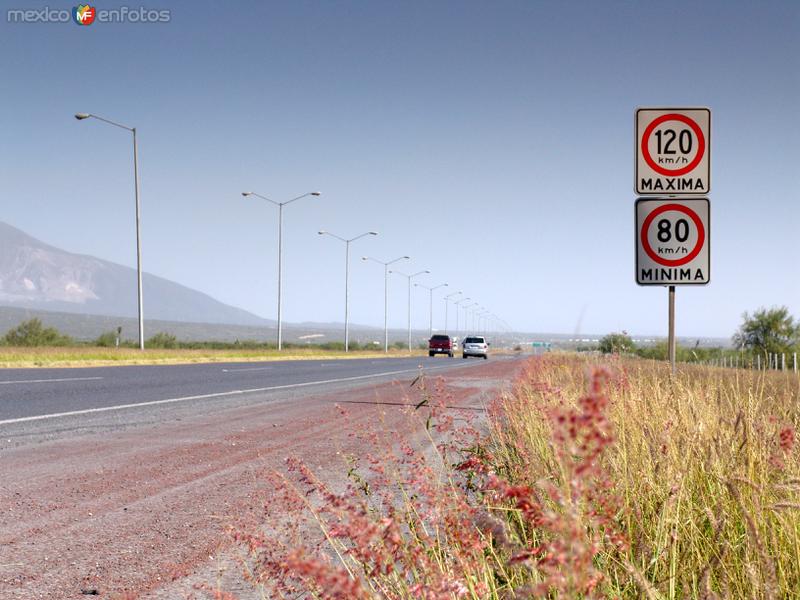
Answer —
(440, 344)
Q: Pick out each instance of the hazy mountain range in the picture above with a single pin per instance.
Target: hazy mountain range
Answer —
(36, 275)
(84, 296)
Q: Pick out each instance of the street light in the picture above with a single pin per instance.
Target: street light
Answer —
(490, 324)
(81, 117)
(347, 280)
(446, 304)
(456, 303)
(385, 295)
(476, 318)
(482, 321)
(466, 307)
(409, 277)
(280, 206)
(430, 289)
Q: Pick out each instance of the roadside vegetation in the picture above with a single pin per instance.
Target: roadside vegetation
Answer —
(595, 477)
(32, 333)
(32, 344)
(762, 336)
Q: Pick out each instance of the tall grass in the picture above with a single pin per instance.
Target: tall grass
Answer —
(703, 467)
(587, 480)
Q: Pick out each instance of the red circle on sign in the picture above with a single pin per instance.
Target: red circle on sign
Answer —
(701, 144)
(701, 235)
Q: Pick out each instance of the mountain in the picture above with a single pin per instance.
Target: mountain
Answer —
(39, 276)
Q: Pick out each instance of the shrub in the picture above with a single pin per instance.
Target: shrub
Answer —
(107, 340)
(33, 333)
(616, 343)
(162, 340)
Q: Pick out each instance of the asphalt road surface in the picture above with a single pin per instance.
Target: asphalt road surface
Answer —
(34, 398)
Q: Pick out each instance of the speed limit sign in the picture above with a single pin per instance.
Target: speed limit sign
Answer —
(673, 238)
(673, 151)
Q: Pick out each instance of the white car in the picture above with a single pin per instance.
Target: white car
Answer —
(475, 345)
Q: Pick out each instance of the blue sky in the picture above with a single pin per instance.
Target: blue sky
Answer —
(492, 142)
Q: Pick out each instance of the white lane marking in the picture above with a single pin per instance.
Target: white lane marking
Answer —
(247, 369)
(88, 411)
(49, 380)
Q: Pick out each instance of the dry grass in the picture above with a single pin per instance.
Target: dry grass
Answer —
(98, 357)
(644, 486)
(703, 465)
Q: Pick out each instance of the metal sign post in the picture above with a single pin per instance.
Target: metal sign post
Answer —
(673, 236)
(671, 341)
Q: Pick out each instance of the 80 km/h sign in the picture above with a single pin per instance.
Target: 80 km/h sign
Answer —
(673, 151)
(672, 241)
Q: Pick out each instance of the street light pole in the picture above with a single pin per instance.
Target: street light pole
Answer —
(430, 290)
(385, 295)
(139, 291)
(280, 206)
(280, 277)
(446, 305)
(482, 321)
(139, 294)
(476, 318)
(347, 280)
(456, 304)
(466, 307)
(409, 277)
(490, 326)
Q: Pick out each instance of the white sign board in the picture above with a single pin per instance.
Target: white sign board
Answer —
(673, 238)
(673, 151)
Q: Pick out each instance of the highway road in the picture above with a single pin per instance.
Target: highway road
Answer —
(126, 480)
(36, 397)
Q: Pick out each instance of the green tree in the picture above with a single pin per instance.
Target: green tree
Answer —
(162, 340)
(616, 343)
(33, 333)
(771, 330)
(108, 339)
(657, 351)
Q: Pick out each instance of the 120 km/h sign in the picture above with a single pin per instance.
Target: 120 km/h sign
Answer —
(673, 151)
(673, 238)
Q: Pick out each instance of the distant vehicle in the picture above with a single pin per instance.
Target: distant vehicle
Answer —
(455, 343)
(475, 345)
(440, 344)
